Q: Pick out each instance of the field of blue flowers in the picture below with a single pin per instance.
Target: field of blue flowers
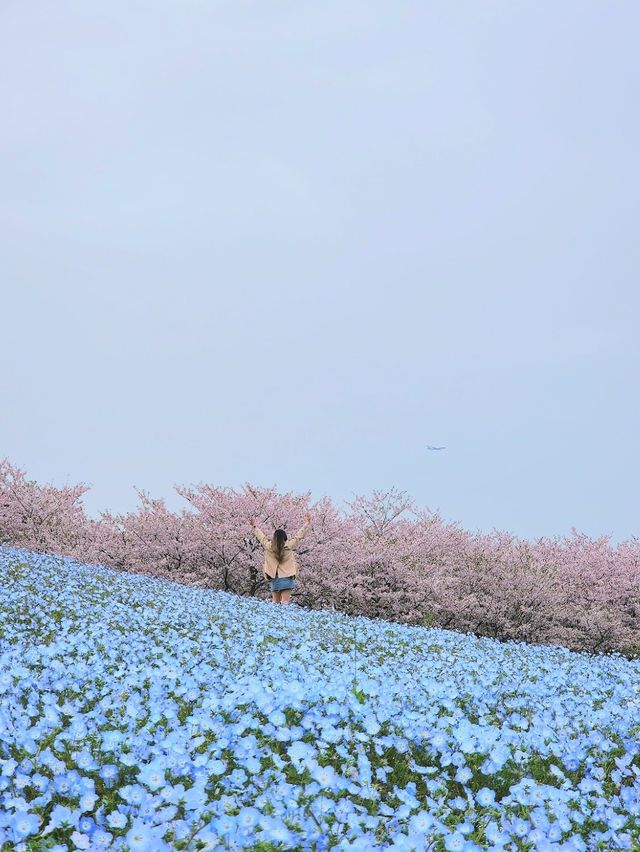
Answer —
(138, 714)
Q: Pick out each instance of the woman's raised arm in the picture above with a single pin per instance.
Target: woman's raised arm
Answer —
(258, 532)
(295, 541)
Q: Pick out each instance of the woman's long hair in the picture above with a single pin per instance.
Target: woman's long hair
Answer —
(277, 543)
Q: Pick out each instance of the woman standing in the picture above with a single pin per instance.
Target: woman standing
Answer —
(280, 565)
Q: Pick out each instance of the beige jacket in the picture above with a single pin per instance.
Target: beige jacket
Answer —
(288, 567)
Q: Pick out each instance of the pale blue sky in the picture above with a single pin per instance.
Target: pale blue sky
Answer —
(293, 243)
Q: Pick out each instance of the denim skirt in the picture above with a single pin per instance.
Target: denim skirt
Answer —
(279, 583)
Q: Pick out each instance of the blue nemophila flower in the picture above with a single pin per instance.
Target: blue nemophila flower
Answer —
(24, 824)
(86, 825)
(421, 822)
(153, 774)
(224, 824)
(520, 828)
(208, 839)
(194, 798)
(248, 817)
(87, 801)
(277, 718)
(101, 839)
(80, 840)
(455, 842)
(276, 831)
(463, 775)
(108, 773)
(62, 816)
(62, 783)
(485, 797)
(8, 767)
(133, 794)
(141, 838)
(326, 776)
(84, 760)
(39, 782)
(116, 820)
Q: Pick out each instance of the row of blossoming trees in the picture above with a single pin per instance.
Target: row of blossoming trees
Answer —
(383, 558)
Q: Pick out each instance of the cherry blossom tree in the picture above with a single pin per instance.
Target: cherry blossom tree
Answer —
(381, 556)
(41, 517)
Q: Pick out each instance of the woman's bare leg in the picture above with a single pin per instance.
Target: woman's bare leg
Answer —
(286, 596)
(275, 597)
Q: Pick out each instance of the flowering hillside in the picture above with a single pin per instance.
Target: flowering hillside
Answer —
(139, 714)
(383, 558)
